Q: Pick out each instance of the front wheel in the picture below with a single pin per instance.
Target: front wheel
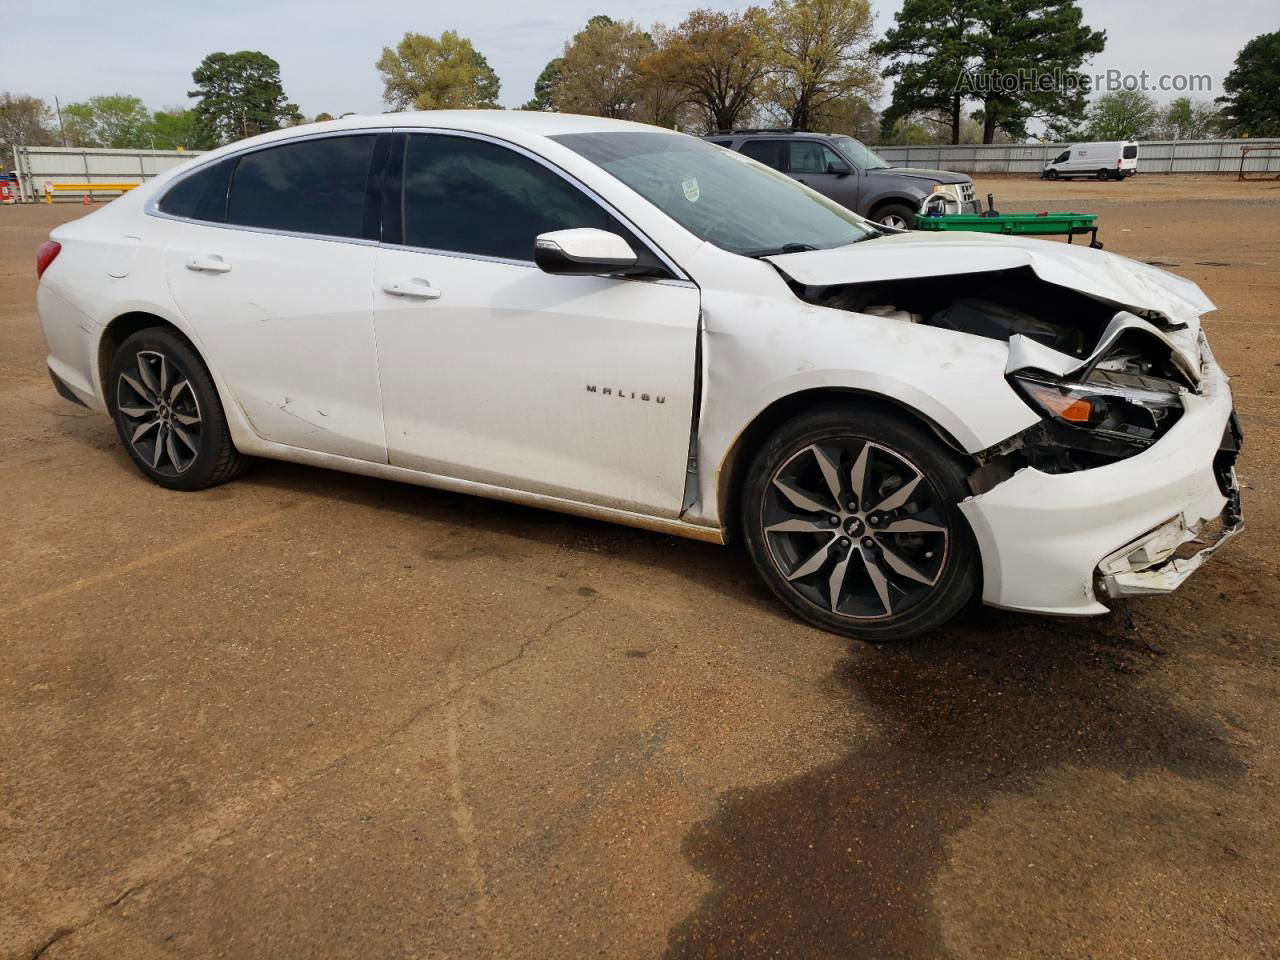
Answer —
(851, 517)
(896, 215)
(1052, 174)
(167, 412)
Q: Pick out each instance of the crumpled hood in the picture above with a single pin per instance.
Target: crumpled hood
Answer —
(1130, 284)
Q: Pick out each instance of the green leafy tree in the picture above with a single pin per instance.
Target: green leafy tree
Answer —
(929, 51)
(176, 127)
(819, 54)
(116, 120)
(240, 95)
(25, 120)
(1187, 119)
(1251, 106)
(429, 73)
(1019, 60)
(322, 116)
(1123, 115)
(544, 87)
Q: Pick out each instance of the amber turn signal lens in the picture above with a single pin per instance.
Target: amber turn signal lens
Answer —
(1068, 408)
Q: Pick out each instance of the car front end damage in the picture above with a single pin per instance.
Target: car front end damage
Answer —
(1127, 483)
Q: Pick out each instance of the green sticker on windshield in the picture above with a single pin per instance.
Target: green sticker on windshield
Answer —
(691, 192)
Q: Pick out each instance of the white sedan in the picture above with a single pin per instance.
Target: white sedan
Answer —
(622, 322)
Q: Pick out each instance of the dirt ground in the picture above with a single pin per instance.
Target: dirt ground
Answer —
(308, 714)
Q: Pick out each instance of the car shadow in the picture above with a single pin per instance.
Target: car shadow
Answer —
(839, 860)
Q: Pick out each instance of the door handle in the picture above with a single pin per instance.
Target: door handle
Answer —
(210, 264)
(416, 289)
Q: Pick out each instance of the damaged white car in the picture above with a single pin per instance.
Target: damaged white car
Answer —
(622, 322)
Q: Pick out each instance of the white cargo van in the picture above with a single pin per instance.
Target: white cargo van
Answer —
(1102, 161)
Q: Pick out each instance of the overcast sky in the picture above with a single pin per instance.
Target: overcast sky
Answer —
(326, 48)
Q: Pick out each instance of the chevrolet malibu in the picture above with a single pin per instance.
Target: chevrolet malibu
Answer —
(622, 322)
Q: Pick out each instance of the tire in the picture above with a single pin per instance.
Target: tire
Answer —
(1052, 174)
(167, 412)
(1103, 175)
(924, 573)
(901, 215)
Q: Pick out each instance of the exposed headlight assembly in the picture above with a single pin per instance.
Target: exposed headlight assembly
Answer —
(1121, 407)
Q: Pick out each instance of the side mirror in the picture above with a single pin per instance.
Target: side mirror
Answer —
(583, 252)
(838, 167)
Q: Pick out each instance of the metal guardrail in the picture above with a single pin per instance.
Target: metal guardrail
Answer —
(1154, 156)
(36, 166)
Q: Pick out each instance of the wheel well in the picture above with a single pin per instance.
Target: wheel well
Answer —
(890, 202)
(118, 331)
(736, 463)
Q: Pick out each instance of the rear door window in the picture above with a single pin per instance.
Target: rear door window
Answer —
(470, 196)
(809, 156)
(1130, 151)
(768, 152)
(309, 186)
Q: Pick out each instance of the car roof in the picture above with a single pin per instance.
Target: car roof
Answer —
(517, 126)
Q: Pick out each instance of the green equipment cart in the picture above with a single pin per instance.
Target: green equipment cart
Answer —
(1025, 224)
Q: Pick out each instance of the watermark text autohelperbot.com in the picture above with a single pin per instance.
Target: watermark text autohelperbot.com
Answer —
(1108, 81)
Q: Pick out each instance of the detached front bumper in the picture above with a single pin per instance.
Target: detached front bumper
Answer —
(1056, 543)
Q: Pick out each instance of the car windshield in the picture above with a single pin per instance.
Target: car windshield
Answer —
(721, 196)
(863, 156)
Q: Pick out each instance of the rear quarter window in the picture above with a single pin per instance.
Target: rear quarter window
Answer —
(203, 194)
(1130, 152)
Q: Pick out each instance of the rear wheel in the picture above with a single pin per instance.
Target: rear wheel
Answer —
(851, 517)
(896, 215)
(167, 412)
(1104, 174)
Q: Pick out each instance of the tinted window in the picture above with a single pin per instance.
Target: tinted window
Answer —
(768, 152)
(1062, 157)
(808, 156)
(471, 196)
(1130, 152)
(203, 195)
(311, 186)
(721, 143)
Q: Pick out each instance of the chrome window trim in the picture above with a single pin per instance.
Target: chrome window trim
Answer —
(152, 206)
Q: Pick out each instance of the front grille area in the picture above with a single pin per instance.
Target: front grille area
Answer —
(967, 192)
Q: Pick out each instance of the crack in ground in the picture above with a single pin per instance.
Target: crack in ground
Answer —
(62, 932)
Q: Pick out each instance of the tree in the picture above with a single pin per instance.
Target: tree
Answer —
(819, 53)
(544, 87)
(1019, 59)
(1252, 103)
(426, 73)
(853, 115)
(321, 117)
(716, 61)
(24, 120)
(240, 96)
(1122, 115)
(176, 127)
(1185, 119)
(116, 120)
(930, 53)
(602, 70)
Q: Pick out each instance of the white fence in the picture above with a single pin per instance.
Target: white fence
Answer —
(36, 166)
(1154, 156)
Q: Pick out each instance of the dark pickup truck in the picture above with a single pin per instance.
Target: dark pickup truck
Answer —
(851, 174)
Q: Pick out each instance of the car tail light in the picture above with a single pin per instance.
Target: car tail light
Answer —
(45, 256)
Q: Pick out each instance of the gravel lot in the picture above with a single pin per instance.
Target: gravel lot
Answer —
(308, 714)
